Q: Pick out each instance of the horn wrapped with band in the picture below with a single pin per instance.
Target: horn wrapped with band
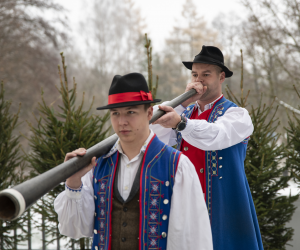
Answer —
(14, 201)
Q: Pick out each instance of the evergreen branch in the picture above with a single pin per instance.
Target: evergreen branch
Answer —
(149, 58)
(289, 107)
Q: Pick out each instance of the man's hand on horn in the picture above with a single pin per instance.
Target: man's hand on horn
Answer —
(75, 180)
(171, 118)
(198, 86)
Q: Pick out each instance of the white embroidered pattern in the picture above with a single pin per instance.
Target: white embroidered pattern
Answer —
(155, 187)
(153, 242)
(153, 216)
(154, 202)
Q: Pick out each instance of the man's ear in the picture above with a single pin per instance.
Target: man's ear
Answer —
(222, 77)
(150, 112)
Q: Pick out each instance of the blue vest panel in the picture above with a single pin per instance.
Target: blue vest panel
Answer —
(228, 198)
(156, 187)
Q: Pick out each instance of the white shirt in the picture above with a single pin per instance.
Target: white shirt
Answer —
(128, 168)
(189, 226)
(230, 129)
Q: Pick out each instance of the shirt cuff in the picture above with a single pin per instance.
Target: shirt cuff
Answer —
(73, 193)
(190, 125)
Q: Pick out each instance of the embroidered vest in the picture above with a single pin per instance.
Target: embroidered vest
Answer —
(157, 177)
(228, 198)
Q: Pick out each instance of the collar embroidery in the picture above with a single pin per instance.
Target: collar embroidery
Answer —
(207, 106)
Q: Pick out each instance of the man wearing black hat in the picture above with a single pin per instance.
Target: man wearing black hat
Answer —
(213, 133)
(143, 194)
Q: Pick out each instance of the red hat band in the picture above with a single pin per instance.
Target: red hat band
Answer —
(129, 97)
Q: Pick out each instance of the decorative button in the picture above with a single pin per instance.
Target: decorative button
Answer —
(167, 183)
(220, 112)
(188, 109)
(185, 148)
(124, 224)
(166, 201)
(221, 177)
(220, 158)
(128, 165)
(123, 239)
(95, 231)
(95, 214)
(165, 217)
(125, 209)
(95, 197)
(164, 235)
(220, 166)
(96, 248)
(201, 171)
(126, 187)
(95, 180)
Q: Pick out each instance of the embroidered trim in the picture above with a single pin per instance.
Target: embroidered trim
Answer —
(112, 180)
(141, 195)
(74, 190)
(245, 141)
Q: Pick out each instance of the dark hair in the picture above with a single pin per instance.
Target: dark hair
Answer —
(218, 69)
(146, 106)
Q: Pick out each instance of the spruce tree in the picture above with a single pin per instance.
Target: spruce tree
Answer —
(293, 141)
(151, 86)
(60, 130)
(10, 162)
(264, 167)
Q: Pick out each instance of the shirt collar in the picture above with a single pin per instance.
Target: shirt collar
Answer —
(207, 106)
(117, 146)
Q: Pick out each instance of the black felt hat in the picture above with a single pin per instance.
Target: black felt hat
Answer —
(210, 55)
(128, 90)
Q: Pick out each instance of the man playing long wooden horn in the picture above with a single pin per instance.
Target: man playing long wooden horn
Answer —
(213, 133)
(143, 194)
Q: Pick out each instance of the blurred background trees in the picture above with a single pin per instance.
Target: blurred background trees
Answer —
(29, 44)
(34, 32)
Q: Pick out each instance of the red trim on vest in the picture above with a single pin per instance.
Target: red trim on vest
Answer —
(177, 164)
(130, 97)
(196, 155)
(141, 188)
(111, 201)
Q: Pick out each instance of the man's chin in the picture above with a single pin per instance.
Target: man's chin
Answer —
(126, 137)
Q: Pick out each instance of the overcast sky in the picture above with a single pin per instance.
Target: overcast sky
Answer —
(159, 15)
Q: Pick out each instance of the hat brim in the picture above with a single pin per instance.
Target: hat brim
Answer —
(127, 104)
(228, 73)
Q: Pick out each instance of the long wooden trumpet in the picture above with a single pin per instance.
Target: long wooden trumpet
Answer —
(14, 201)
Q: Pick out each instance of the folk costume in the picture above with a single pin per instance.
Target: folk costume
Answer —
(215, 141)
(153, 201)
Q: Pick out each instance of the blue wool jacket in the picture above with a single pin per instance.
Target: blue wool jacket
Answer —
(228, 198)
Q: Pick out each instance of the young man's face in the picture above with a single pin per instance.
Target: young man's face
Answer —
(131, 123)
(207, 74)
